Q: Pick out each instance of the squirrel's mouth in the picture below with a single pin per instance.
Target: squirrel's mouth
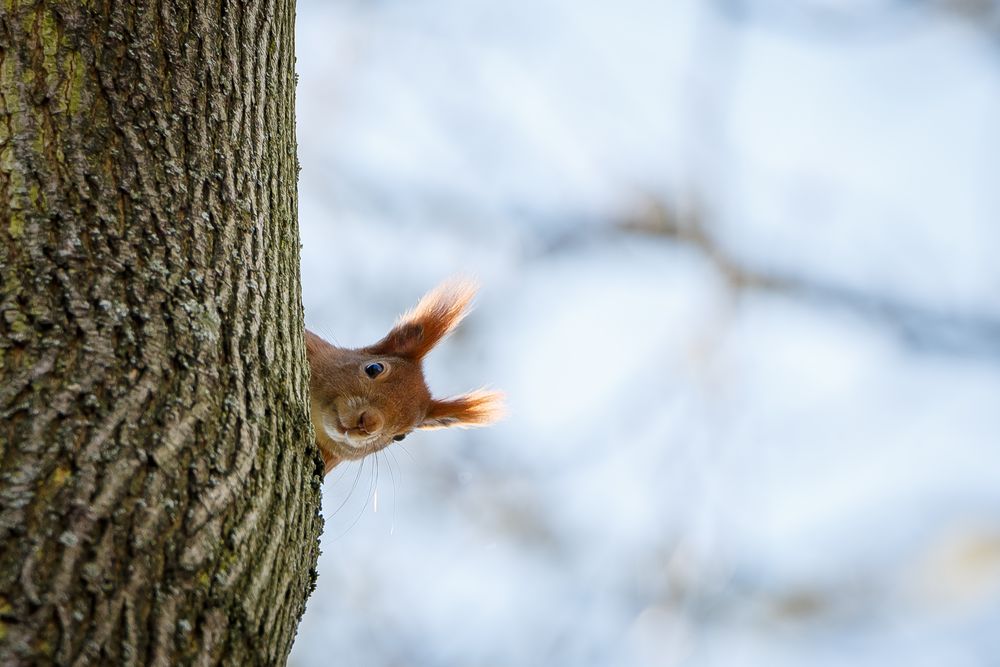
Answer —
(344, 436)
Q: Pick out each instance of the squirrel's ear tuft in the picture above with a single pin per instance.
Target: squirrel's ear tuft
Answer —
(433, 318)
(477, 408)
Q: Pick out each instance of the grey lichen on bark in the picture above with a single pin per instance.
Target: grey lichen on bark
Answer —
(159, 489)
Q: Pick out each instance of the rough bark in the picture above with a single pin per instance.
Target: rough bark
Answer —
(159, 489)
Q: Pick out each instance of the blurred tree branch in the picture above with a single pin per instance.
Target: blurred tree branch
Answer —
(955, 333)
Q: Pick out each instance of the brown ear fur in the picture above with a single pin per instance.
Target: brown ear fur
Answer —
(476, 408)
(433, 318)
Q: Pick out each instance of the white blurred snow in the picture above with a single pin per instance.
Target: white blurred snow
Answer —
(689, 474)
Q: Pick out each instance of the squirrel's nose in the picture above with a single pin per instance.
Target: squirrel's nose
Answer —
(370, 421)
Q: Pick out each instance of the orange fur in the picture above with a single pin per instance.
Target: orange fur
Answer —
(430, 321)
(355, 414)
(476, 408)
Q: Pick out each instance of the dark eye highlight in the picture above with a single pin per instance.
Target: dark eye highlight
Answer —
(399, 437)
(373, 370)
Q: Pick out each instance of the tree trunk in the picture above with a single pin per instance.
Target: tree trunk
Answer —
(159, 486)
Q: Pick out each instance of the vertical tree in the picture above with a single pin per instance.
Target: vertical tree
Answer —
(159, 490)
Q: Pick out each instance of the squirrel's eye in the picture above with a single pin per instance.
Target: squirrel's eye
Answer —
(399, 437)
(374, 370)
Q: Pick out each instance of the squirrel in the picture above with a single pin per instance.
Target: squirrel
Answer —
(366, 398)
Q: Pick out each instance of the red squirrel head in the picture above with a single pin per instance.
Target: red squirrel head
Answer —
(364, 399)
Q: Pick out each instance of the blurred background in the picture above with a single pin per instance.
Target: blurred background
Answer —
(742, 288)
